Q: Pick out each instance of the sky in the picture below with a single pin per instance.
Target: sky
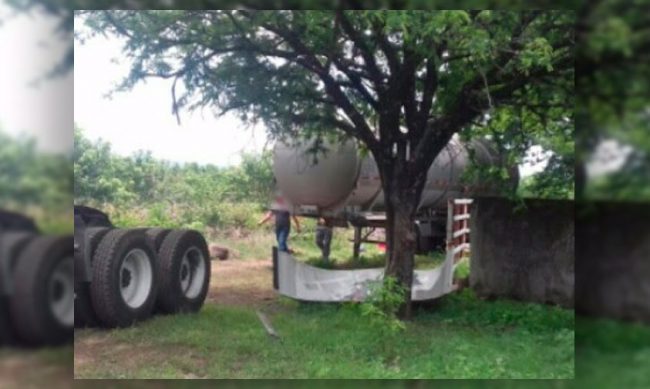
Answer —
(30, 48)
(142, 119)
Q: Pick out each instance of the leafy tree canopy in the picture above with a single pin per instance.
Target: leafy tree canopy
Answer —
(387, 78)
(31, 178)
(613, 84)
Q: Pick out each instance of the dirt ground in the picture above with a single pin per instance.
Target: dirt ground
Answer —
(26, 369)
(233, 282)
(241, 283)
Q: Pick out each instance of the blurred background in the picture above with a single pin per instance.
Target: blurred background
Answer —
(613, 188)
(35, 186)
(612, 169)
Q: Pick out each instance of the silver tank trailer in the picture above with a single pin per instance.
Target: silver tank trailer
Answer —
(342, 178)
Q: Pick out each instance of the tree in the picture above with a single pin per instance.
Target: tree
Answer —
(32, 178)
(613, 84)
(401, 83)
(102, 177)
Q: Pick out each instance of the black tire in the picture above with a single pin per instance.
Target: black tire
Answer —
(84, 314)
(11, 245)
(110, 277)
(155, 236)
(42, 306)
(183, 286)
(6, 333)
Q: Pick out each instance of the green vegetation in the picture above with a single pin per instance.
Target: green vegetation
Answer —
(462, 337)
(36, 184)
(504, 74)
(612, 353)
(381, 308)
(141, 191)
(341, 257)
(613, 90)
(32, 178)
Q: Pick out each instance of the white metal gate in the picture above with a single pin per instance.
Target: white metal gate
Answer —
(458, 230)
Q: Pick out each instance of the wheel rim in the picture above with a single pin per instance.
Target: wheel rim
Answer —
(61, 292)
(192, 272)
(136, 278)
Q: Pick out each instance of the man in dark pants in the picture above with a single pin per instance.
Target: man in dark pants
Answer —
(324, 237)
(282, 223)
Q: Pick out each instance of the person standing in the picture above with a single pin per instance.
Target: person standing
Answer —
(324, 237)
(282, 223)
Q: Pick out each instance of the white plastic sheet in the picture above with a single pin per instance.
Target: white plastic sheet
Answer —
(308, 283)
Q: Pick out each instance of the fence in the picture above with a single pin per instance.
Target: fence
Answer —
(458, 230)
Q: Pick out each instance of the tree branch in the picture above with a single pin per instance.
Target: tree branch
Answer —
(468, 106)
(430, 87)
(388, 50)
(362, 129)
(355, 81)
(366, 53)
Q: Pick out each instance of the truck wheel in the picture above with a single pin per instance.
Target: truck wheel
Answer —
(84, 314)
(184, 272)
(11, 245)
(42, 306)
(155, 236)
(123, 290)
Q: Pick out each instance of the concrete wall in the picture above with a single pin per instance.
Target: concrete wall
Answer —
(525, 254)
(613, 256)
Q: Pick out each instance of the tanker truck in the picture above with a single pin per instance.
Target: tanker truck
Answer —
(345, 187)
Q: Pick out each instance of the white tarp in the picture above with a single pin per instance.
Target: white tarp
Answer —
(304, 282)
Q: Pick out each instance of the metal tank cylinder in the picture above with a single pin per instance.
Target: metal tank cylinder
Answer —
(325, 184)
(342, 178)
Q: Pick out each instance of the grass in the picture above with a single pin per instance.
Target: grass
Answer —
(327, 384)
(255, 243)
(612, 354)
(463, 337)
(341, 252)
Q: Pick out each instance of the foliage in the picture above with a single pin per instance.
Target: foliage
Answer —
(140, 190)
(383, 302)
(613, 84)
(341, 251)
(29, 178)
(307, 73)
(550, 183)
(462, 268)
(381, 307)
(612, 353)
(611, 58)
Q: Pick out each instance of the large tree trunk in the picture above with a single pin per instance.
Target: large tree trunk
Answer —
(402, 195)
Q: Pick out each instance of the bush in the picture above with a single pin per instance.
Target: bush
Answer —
(382, 306)
(239, 215)
(224, 216)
